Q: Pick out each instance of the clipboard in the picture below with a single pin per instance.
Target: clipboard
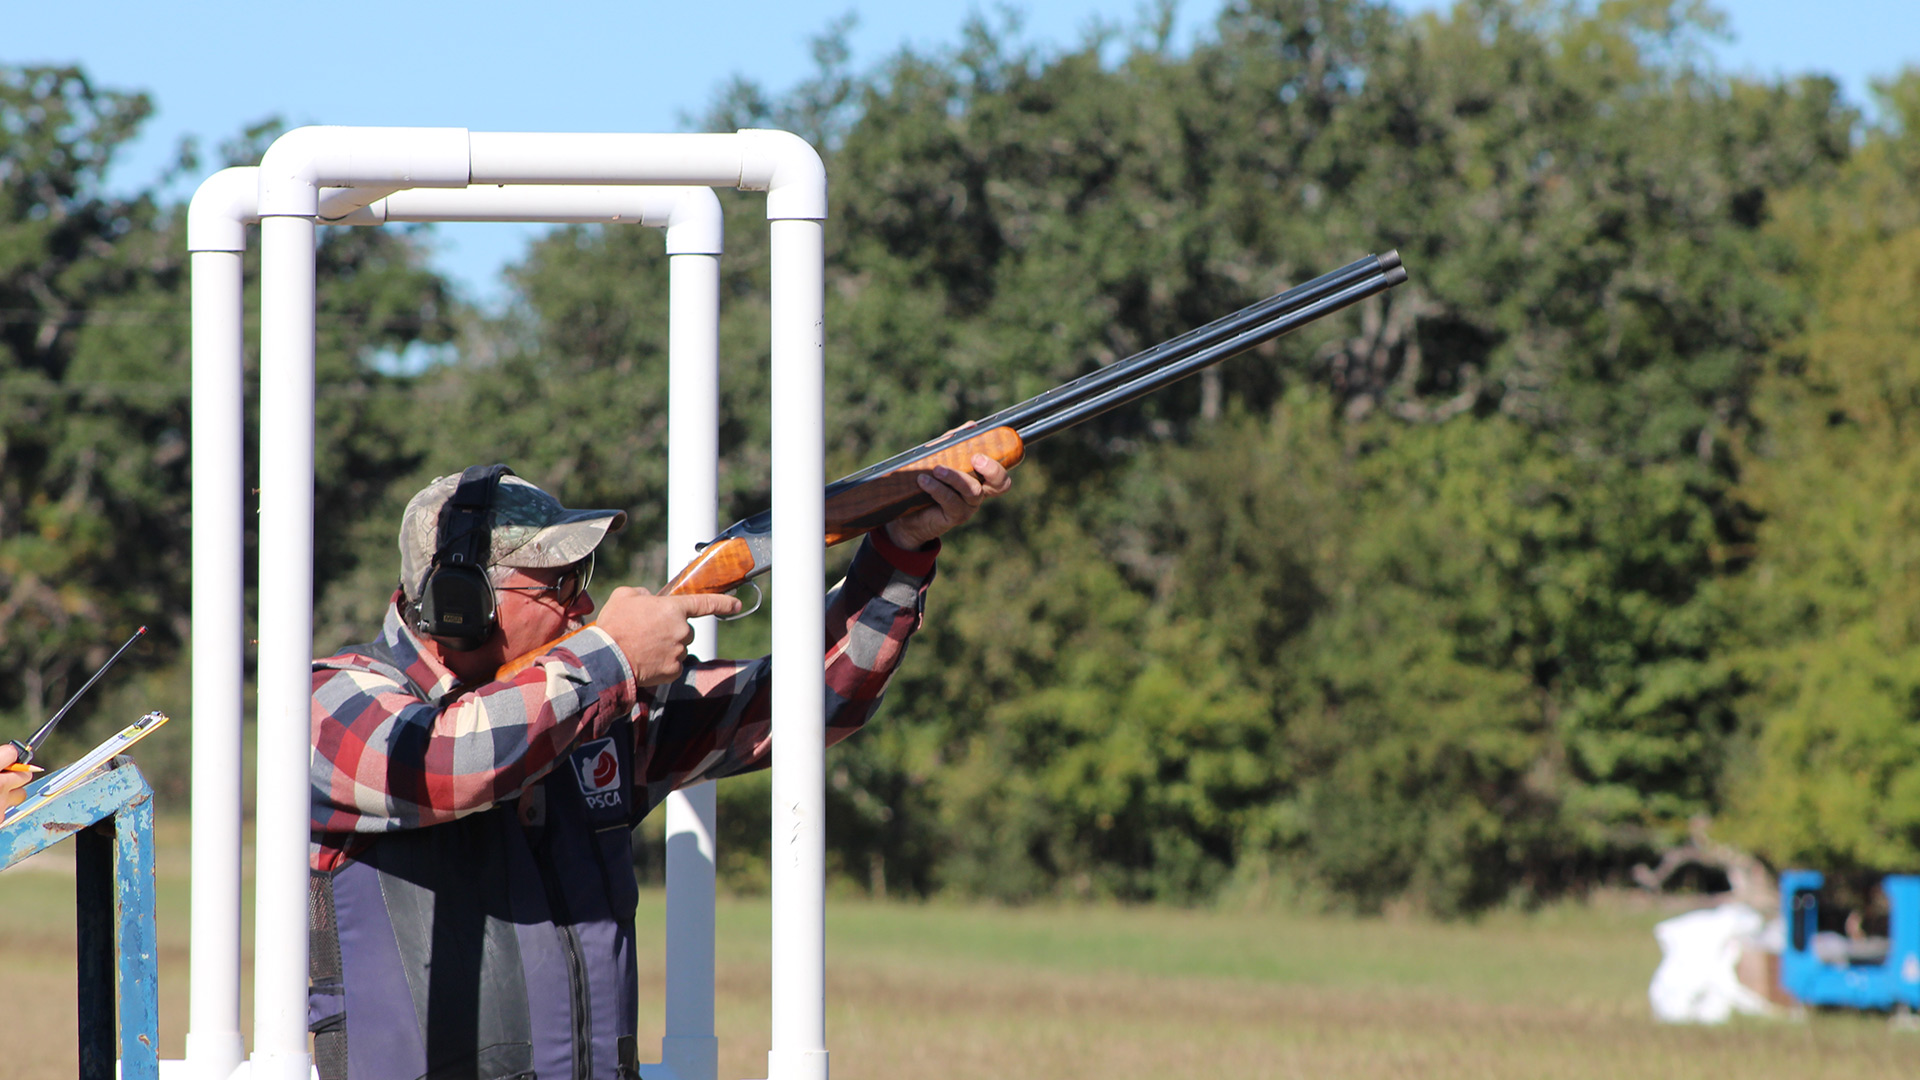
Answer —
(54, 783)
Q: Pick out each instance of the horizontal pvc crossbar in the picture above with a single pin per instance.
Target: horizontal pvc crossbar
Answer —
(226, 203)
(691, 216)
(779, 163)
(305, 160)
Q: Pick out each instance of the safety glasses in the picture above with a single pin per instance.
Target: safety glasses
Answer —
(567, 588)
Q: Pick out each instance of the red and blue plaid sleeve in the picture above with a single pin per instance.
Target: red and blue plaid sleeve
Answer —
(399, 746)
(716, 720)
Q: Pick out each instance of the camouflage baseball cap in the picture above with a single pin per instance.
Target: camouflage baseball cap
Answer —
(530, 529)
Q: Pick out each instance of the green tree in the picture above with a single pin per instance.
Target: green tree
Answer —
(93, 413)
(94, 401)
(1833, 602)
(1429, 599)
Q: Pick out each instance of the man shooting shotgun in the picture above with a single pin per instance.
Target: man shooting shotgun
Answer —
(478, 768)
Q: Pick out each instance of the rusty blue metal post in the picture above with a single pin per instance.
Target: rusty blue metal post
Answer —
(139, 974)
(110, 817)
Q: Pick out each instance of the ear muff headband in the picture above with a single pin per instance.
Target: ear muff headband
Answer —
(456, 601)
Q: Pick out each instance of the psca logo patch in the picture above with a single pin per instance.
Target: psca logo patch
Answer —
(597, 764)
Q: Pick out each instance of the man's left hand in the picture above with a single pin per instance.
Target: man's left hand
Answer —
(956, 498)
(12, 784)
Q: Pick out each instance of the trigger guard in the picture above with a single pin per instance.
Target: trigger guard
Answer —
(759, 598)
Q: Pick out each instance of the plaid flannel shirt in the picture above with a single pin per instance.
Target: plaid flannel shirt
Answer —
(387, 758)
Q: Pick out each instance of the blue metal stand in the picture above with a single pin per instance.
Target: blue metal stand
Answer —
(110, 817)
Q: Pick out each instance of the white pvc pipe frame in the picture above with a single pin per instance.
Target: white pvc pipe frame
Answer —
(224, 205)
(292, 177)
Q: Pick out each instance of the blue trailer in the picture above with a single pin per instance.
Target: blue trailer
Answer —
(1868, 979)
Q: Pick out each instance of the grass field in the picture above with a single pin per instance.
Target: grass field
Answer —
(963, 992)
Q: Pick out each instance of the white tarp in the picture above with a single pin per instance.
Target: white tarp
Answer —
(1696, 982)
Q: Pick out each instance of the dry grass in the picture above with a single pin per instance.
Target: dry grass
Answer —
(963, 992)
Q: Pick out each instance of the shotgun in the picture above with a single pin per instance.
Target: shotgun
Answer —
(863, 501)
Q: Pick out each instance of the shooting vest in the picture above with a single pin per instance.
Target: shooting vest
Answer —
(495, 947)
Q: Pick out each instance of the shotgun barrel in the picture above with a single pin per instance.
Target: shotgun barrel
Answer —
(1087, 406)
(865, 500)
(1225, 329)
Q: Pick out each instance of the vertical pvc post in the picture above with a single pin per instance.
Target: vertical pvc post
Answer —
(286, 648)
(689, 1050)
(214, 1044)
(217, 221)
(799, 1050)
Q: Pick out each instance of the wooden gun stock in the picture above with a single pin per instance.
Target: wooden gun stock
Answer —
(852, 510)
(721, 566)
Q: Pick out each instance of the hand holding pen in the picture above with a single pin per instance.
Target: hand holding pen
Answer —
(13, 785)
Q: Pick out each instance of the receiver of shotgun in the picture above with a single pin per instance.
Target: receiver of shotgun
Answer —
(890, 489)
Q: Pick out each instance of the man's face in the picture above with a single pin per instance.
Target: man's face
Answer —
(530, 615)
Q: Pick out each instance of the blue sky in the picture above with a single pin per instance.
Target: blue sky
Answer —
(602, 65)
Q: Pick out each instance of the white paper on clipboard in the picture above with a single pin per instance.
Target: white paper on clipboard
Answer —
(89, 763)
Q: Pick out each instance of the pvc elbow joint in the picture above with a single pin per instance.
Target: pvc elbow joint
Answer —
(696, 225)
(302, 161)
(222, 208)
(788, 169)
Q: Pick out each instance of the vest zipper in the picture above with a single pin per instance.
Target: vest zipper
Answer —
(581, 1003)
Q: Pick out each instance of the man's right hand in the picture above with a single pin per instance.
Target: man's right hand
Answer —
(653, 630)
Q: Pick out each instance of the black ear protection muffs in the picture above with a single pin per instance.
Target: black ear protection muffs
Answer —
(456, 601)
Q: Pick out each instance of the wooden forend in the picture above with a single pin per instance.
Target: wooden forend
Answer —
(872, 503)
